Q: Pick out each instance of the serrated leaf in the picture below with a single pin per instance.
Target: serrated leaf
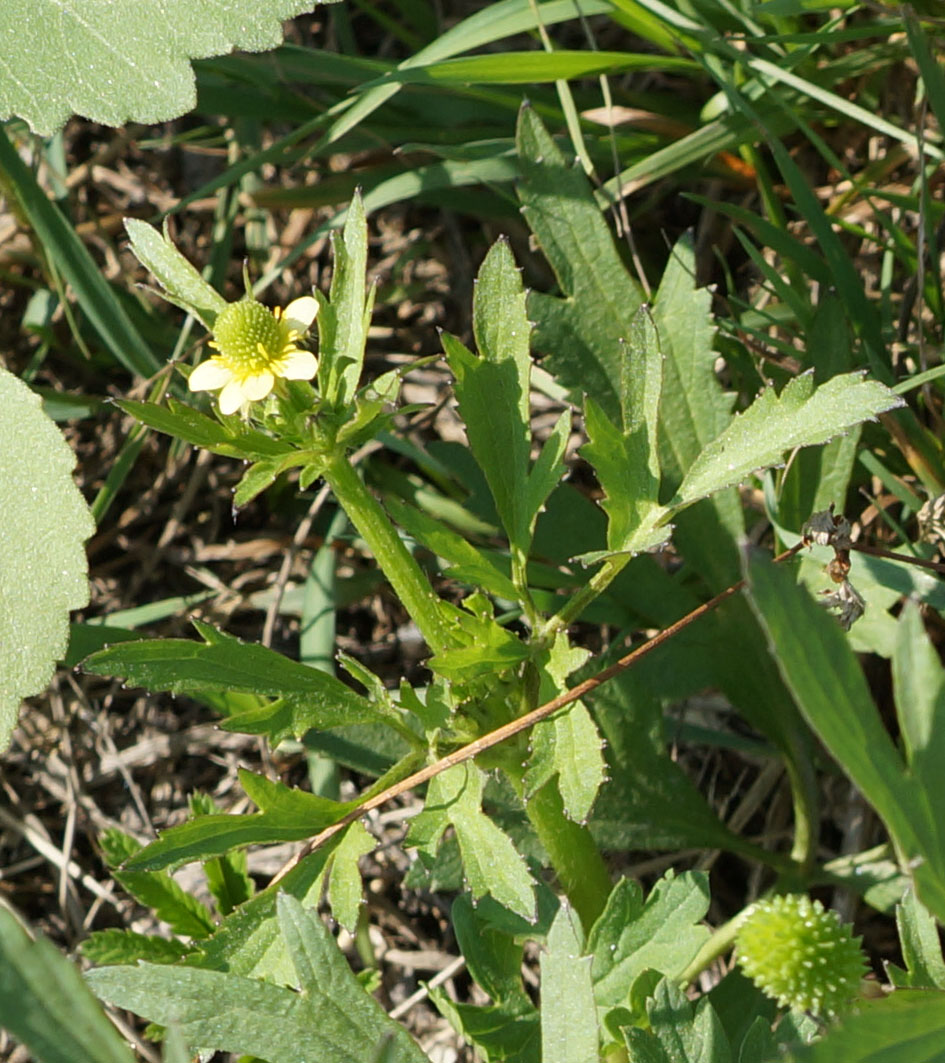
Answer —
(568, 1019)
(487, 647)
(169, 901)
(329, 1018)
(632, 935)
(287, 815)
(568, 744)
(921, 947)
(178, 277)
(693, 407)
(490, 861)
(115, 65)
(46, 1005)
(185, 665)
(345, 891)
(493, 389)
(343, 317)
(682, 1033)
(580, 333)
(44, 522)
(774, 424)
(626, 457)
(103, 947)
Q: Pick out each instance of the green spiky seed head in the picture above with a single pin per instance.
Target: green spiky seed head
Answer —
(248, 334)
(801, 955)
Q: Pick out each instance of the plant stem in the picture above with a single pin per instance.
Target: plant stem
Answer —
(395, 560)
(583, 597)
(718, 944)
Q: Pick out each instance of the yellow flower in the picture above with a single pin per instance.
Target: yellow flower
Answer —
(255, 345)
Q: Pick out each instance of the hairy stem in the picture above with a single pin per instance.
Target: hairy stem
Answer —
(395, 560)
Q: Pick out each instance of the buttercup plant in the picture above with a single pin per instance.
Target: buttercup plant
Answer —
(485, 719)
(528, 758)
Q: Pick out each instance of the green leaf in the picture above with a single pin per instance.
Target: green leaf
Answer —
(490, 861)
(493, 957)
(903, 1026)
(183, 422)
(516, 68)
(568, 743)
(43, 523)
(104, 947)
(650, 802)
(825, 680)
(493, 389)
(184, 285)
(626, 459)
(487, 647)
(774, 424)
(919, 685)
(125, 65)
(568, 1019)
(504, 1034)
(343, 318)
(633, 935)
(248, 941)
(328, 1018)
(185, 665)
(921, 947)
(820, 475)
(227, 876)
(287, 815)
(46, 1005)
(344, 883)
(693, 407)
(467, 563)
(679, 1032)
(67, 252)
(579, 333)
(169, 901)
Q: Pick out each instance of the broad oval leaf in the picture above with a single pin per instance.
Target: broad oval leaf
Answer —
(43, 568)
(115, 63)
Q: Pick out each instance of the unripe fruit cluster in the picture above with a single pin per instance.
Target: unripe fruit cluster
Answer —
(801, 955)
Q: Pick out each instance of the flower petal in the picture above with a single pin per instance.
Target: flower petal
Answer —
(232, 397)
(258, 385)
(299, 365)
(209, 375)
(300, 313)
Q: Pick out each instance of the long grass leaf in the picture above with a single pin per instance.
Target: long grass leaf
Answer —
(853, 111)
(71, 257)
(519, 68)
